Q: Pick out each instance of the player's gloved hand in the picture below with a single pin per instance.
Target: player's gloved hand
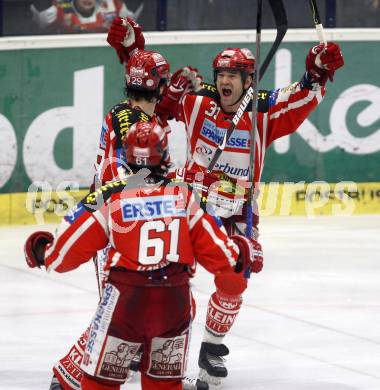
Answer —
(183, 81)
(322, 62)
(34, 248)
(251, 254)
(125, 36)
(201, 181)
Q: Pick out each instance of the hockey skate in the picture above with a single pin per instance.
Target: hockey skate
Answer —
(194, 384)
(211, 364)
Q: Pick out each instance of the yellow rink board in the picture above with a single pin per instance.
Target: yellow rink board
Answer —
(312, 199)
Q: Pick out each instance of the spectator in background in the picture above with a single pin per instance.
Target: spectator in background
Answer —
(78, 16)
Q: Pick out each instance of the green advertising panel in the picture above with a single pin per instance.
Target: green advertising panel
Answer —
(52, 103)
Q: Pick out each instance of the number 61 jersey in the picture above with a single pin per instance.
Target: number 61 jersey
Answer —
(146, 224)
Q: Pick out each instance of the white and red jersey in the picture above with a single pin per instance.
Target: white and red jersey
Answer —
(111, 161)
(146, 226)
(66, 18)
(280, 112)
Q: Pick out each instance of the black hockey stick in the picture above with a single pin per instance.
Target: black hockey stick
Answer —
(279, 14)
(281, 21)
(280, 18)
(317, 22)
(252, 147)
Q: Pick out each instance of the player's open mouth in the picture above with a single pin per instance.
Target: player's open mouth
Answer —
(226, 92)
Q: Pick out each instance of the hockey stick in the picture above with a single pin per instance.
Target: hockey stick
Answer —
(279, 14)
(252, 147)
(317, 22)
(281, 27)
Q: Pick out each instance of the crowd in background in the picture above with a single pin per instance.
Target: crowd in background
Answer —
(30, 17)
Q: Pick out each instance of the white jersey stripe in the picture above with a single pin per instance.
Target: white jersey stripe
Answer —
(195, 218)
(193, 116)
(219, 242)
(70, 242)
(291, 106)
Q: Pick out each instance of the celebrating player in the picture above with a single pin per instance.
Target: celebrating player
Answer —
(155, 231)
(147, 73)
(207, 114)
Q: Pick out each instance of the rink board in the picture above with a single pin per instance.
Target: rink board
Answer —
(276, 199)
(56, 90)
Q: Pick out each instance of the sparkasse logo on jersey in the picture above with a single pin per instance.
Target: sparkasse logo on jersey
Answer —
(239, 139)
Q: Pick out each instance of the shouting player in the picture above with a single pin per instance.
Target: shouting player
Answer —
(207, 114)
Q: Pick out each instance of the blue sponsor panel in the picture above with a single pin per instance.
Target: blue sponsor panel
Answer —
(273, 97)
(75, 213)
(151, 207)
(240, 139)
(103, 135)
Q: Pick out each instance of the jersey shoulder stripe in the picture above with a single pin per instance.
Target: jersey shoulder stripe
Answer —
(123, 117)
(95, 200)
(208, 90)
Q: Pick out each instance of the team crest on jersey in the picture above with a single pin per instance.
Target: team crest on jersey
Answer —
(167, 357)
(74, 213)
(103, 136)
(273, 97)
(152, 207)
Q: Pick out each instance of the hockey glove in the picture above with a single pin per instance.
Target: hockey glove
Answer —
(251, 255)
(322, 62)
(182, 82)
(125, 36)
(34, 248)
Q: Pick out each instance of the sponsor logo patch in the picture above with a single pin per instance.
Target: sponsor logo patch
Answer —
(167, 357)
(239, 139)
(151, 207)
(117, 356)
(99, 328)
(103, 136)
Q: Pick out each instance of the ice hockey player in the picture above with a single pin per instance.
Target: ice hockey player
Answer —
(147, 73)
(153, 73)
(156, 230)
(207, 114)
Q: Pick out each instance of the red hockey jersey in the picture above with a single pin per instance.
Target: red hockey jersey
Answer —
(280, 112)
(146, 226)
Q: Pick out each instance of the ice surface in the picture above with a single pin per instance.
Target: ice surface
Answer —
(310, 320)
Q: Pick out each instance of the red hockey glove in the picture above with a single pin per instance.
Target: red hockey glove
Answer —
(34, 248)
(125, 36)
(182, 82)
(322, 62)
(251, 254)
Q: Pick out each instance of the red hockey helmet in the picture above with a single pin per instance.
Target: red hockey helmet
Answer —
(145, 70)
(235, 59)
(146, 145)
